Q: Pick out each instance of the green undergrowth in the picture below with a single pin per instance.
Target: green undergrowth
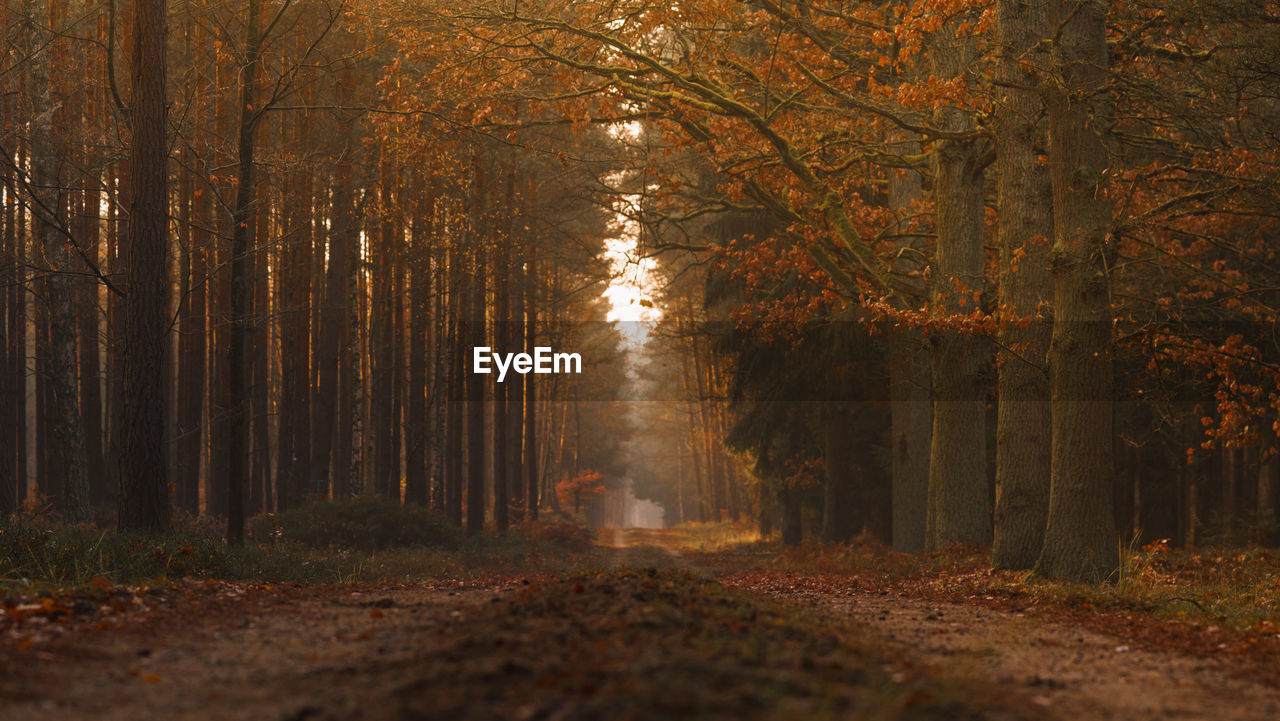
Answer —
(357, 541)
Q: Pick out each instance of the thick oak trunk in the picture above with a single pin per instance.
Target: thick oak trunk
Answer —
(1025, 229)
(958, 487)
(1080, 538)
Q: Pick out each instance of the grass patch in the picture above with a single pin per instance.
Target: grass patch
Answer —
(716, 537)
(312, 544)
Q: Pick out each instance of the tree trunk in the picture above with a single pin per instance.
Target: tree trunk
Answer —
(459, 299)
(1080, 541)
(241, 287)
(48, 203)
(90, 337)
(421, 236)
(515, 394)
(911, 419)
(293, 298)
(792, 516)
(189, 409)
(382, 347)
(531, 388)
(261, 391)
(1025, 202)
(958, 488)
(475, 397)
(12, 326)
(334, 318)
(144, 483)
(502, 341)
(842, 508)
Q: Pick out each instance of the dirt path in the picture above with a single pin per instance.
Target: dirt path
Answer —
(1071, 672)
(631, 642)
(252, 662)
(641, 644)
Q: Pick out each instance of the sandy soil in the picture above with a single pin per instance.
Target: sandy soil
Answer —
(284, 661)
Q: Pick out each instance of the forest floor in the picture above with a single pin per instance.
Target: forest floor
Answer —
(649, 629)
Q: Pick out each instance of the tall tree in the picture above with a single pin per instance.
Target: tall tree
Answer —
(1025, 207)
(477, 311)
(1079, 540)
(49, 200)
(240, 281)
(144, 482)
(958, 489)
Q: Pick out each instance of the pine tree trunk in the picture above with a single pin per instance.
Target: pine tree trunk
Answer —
(421, 235)
(475, 396)
(459, 302)
(48, 206)
(502, 342)
(12, 404)
(90, 344)
(532, 480)
(189, 403)
(515, 396)
(382, 355)
(241, 289)
(334, 317)
(144, 494)
(293, 293)
(261, 390)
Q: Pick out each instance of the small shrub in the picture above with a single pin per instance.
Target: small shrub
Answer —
(365, 523)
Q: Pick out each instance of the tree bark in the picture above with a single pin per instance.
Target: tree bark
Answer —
(842, 507)
(1025, 203)
(382, 346)
(144, 483)
(240, 282)
(515, 394)
(910, 386)
(416, 446)
(1080, 541)
(334, 317)
(532, 487)
(475, 393)
(459, 299)
(958, 486)
(792, 516)
(48, 203)
(12, 326)
(502, 341)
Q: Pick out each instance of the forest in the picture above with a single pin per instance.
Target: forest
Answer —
(967, 303)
